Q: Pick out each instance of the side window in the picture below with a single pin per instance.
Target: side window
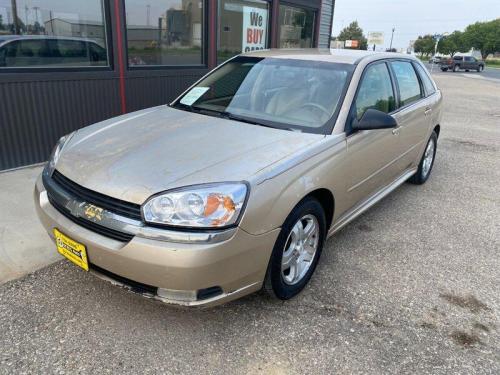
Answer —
(375, 91)
(37, 27)
(426, 80)
(24, 52)
(3, 53)
(409, 86)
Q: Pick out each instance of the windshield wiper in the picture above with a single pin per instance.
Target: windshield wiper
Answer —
(227, 115)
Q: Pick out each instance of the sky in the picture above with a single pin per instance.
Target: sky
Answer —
(412, 18)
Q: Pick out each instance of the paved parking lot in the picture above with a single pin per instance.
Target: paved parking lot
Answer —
(412, 286)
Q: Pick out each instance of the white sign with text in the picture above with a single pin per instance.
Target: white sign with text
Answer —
(254, 29)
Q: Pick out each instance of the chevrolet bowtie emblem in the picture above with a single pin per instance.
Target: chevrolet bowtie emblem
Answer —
(93, 212)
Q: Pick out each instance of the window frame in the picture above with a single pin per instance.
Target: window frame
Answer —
(415, 64)
(420, 83)
(352, 113)
(270, 26)
(204, 47)
(107, 23)
(310, 7)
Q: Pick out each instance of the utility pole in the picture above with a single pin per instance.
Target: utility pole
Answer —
(148, 14)
(26, 16)
(392, 37)
(36, 13)
(15, 18)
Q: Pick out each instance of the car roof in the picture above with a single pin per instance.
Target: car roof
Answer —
(345, 56)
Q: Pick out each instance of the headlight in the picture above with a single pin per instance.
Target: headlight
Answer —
(202, 206)
(56, 152)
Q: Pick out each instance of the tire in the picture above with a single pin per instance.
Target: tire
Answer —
(444, 69)
(424, 168)
(480, 68)
(278, 283)
(466, 70)
(456, 68)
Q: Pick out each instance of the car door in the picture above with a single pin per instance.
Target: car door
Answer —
(467, 64)
(372, 153)
(413, 114)
(473, 63)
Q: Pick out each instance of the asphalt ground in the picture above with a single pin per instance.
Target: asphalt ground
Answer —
(412, 286)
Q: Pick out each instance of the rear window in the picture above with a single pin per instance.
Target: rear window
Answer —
(409, 86)
(426, 80)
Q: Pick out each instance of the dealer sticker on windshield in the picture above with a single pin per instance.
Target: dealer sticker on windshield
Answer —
(193, 95)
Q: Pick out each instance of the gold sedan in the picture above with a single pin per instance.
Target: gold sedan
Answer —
(236, 185)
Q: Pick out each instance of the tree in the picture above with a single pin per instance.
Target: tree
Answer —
(452, 44)
(354, 32)
(483, 36)
(425, 45)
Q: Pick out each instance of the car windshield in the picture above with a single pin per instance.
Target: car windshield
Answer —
(275, 92)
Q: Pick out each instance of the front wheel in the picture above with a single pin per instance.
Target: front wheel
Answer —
(456, 68)
(480, 68)
(444, 69)
(426, 163)
(297, 250)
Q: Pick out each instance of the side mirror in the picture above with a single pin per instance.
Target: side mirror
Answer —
(374, 119)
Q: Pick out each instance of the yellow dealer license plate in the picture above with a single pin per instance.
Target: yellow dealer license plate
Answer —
(72, 250)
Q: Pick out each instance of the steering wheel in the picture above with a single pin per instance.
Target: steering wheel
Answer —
(317, 106)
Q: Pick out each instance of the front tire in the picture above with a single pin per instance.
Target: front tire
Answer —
(444, 69)
(480, 68)
(426, 163)
(297, 250)
(456, 68)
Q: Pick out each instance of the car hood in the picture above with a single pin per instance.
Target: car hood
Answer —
(134, 156)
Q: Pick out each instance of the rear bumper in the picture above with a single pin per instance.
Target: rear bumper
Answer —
(176, 271)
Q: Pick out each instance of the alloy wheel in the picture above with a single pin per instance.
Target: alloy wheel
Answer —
(428, 158)
(300, 249)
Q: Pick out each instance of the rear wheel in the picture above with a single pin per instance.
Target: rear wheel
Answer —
(297, 250)
(444, 69)
(426, 163)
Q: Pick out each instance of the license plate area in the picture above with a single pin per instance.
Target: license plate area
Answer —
(71, 250)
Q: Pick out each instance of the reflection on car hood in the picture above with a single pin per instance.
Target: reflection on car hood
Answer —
(134, 156)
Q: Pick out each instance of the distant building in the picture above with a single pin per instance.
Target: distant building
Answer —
(81, 29)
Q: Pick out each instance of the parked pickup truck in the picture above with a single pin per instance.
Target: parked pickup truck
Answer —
(466, 63)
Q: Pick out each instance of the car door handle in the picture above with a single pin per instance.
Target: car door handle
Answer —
(428, 110)
(395, 131)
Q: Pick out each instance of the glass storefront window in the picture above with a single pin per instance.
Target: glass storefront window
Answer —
(296, 27)
(52, 33)
(243, 27)
(164, 32)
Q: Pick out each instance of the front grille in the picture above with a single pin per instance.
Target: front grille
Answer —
(114, 205)
(107, 232)
(135, 286)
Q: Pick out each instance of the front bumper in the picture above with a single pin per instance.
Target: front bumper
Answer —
(172, 272)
